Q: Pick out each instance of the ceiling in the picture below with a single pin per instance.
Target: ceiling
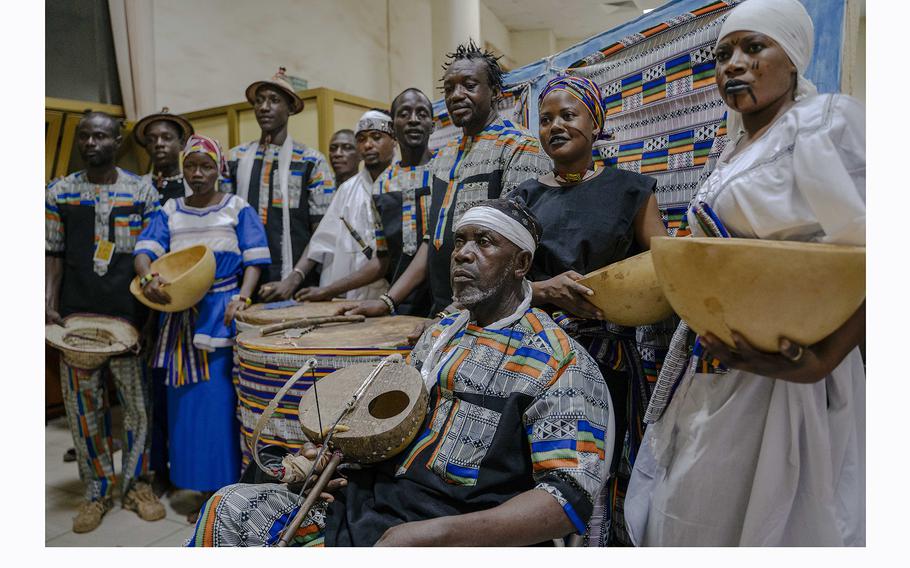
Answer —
(575, 19)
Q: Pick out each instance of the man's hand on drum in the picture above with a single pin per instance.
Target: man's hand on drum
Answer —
(368, 308)
(313, 294)
(154, 290)
(234, 306)
(281, 290)
(563, 291)
(310, 451)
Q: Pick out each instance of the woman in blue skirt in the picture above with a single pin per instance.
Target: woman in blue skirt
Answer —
(195, 345)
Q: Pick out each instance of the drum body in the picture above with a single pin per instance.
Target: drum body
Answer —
(266, 363)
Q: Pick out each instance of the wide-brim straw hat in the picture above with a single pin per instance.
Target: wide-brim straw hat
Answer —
(764, 290)
(165, 114)
(628, 292)
(189, 274)
(87, 341)
(280, 81)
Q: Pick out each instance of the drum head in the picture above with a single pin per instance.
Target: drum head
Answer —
(378, 333)
(385, 419)
(280, 312)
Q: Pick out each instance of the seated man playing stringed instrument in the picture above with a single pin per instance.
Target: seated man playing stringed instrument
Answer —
(516, 440)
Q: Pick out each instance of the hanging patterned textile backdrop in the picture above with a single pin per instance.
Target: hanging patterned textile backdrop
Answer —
(664, 114)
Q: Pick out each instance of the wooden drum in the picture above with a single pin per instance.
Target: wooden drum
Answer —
(280, 312)
(266, 363)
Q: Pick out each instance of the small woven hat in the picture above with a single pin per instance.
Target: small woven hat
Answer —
(189, 274)
(165, 114)
(87, 341)
(280, 81)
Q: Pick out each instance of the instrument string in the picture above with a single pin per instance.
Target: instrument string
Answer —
(316, 393)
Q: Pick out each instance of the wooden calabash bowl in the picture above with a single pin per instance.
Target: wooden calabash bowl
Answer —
(189, 274)
(764, 290)
(382, 424)
(628, 292)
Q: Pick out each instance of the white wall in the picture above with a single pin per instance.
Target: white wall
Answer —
(530, 45)
(494, 32)
(208, 51)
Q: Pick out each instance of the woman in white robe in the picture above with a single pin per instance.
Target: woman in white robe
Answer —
(772, 451)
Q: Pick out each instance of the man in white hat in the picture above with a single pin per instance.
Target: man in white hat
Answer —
(289, 184)
(349, 243)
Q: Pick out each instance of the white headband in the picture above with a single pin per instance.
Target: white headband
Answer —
(496, 220)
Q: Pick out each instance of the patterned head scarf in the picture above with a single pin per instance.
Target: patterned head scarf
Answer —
(788, 24)
(375, 120)
(583, 89)
(208, 146)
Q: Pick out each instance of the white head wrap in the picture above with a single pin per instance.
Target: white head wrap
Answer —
(374, 120)
(496, 220)
(787, 23)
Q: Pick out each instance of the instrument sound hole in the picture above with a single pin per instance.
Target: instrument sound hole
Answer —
(389, 404)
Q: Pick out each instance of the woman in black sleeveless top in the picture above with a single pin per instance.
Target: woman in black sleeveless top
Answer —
(591, 217)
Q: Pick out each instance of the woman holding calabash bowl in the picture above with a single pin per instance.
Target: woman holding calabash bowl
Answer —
(768, 449)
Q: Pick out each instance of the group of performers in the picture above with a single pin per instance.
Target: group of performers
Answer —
(535, 427)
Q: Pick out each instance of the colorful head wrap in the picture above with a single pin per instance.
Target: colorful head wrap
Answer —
(583, 89)
(375, 120)
(208, 146)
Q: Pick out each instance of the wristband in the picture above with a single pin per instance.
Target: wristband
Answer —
(388, 302)
(300, 272)
(147, 278)
(246, 300)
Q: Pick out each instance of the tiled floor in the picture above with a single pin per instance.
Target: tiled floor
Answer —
(63, 494)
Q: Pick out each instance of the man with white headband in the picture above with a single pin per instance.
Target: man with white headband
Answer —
(349, 243)
(517, 436)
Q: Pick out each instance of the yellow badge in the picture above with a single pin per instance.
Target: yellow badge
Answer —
(104, 251)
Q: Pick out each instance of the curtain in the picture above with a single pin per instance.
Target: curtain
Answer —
(134, 44)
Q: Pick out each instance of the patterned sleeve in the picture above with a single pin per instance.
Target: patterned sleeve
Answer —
(155, 239)
(321, 188)
(569, 428)
(528, 161)
(149, 197)
(53, 222)
(422, 348)
(251, 238)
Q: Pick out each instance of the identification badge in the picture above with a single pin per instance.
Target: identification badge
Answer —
(104, 251)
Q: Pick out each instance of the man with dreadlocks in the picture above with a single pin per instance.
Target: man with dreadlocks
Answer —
(491, 157)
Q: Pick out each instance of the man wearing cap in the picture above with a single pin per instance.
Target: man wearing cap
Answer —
(92, 220)
(163, 135)
(349, 243)
(516, 439)
(343, 155)
(287, 183)
(490, 158)
(401, 194)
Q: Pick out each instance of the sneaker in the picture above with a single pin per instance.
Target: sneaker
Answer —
(142, 500)
(90, 515)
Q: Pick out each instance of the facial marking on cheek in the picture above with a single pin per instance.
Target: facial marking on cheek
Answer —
(752, 94)
(755, 65)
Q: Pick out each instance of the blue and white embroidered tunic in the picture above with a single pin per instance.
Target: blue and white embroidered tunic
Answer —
(234, 233)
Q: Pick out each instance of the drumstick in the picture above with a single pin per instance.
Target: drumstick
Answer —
(303, 322)
(316, 490)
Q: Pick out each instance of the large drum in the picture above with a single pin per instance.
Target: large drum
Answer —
(280, 312)
(266, 363)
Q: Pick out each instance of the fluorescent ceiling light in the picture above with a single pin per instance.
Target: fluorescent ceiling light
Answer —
(646, 10)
